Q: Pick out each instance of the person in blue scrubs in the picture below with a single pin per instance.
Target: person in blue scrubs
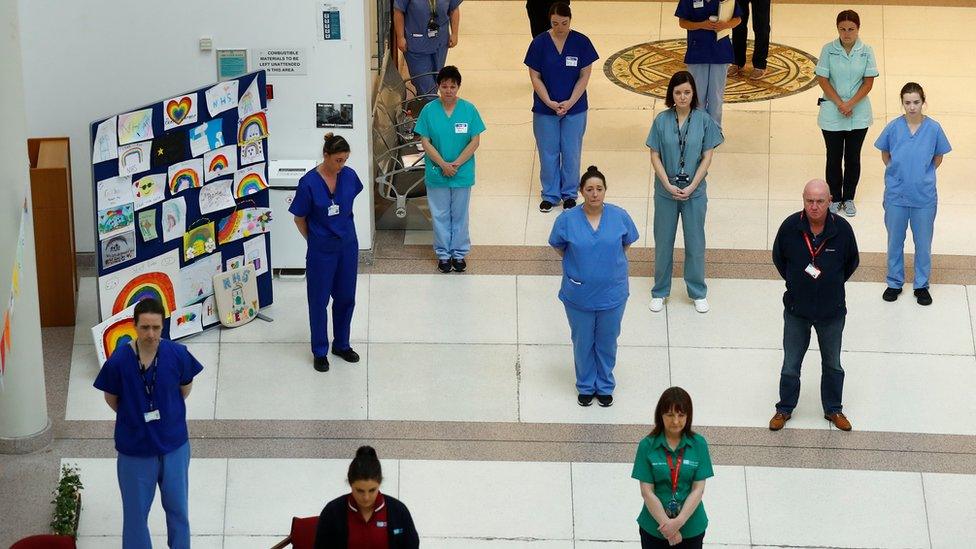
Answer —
(559, 64)
(593, 239)
(323, 213)
(450, 130)
(681, 140)
(424, 30)
(912, 147)
(708, 57)
(146, 383)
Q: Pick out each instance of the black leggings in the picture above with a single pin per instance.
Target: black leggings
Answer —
(650, 542)
(846, 146)
(760, 26)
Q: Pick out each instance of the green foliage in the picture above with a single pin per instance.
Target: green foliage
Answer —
(67, 502)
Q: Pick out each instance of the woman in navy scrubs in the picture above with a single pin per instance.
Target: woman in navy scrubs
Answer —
(707, 56)
(323, 213)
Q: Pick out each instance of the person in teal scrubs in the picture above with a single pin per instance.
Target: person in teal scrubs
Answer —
(450, 130)
(671, 464)
(846, 71)
(912, 147)
(681, 140)
(593, 239)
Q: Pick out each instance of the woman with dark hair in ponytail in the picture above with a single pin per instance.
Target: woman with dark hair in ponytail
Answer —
(323, 213)
(366, 518)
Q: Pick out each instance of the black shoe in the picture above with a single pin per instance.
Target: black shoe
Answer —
(321, 364)
(605, 401)
(545, 206)
(569, 204)
(444, 265)
(584, 400)
(923, 296)
(348, 355)
(459, 264)
(891, 294)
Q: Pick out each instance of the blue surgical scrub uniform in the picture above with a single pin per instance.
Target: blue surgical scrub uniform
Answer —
(332, 259)
(155, 452)
(594, 289)
(910, 195)
(707, 57)
(426, 53)
(559, 138)
(701, 134)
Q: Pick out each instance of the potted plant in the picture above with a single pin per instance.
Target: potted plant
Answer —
(67, 502)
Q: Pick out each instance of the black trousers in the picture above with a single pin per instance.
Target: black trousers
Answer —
(760, 28)
(538, 11)
(843, 146)
(650, 542)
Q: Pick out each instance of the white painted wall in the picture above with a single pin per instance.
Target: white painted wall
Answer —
(86, 60)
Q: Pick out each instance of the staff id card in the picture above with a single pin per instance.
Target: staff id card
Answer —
(333, 210)
(572, 61)
(698, 4)
(813, 271)
(461, 127)
(151, 416)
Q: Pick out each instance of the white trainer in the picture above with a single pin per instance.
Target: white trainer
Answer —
(656, 305)
(701, 305)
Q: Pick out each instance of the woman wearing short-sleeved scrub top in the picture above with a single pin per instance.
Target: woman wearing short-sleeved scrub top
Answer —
(708, 57)
(424, 30)
(681, 141)
(593, 239)
(671, 464)
(323, 214)
(845, 71)
(911, 148)
(559, 64)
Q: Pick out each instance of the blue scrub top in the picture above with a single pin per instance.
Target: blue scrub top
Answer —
(910, 176)
(449, 135)
(120, 376)
(703, 46)
(560, 71)
(846, 72)
(416, 15)
(327, 233)
(702, 134)
(594, 262)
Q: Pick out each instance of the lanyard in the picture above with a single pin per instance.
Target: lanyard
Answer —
(682, 140)
(813, 253)
(675, 471)
(150, 387)
(433, 10)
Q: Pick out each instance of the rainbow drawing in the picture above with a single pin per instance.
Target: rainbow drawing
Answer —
(249, 184)
(154, 285)
(132, 157)
(119, 333)
(252, 128)
(229, 228)
(218, 163)
(184, 179)
(177, 110)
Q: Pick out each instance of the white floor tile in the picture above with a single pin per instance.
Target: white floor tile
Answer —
(84, 400)
(470, 543)
(201, 402)
(447, 382)
(598, 487)
(484, 221)
(952, 522)
(726, 506)
(609, 544)
(86, 310)
(252, 542)
(114, 542)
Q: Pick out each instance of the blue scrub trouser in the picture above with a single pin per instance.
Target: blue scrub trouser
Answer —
(138, 478)
(710, 85)
(421, 63)
(692, 213)
(449, 213)
(560, 143)
(331, 275)
(922, 220)
(594, 336)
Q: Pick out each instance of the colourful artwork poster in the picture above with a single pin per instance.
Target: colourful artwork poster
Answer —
(116, 331)
(250, 101)
(115, 220)
(253, 128)
(256, 254)
(199, 241)
(208, 310)
(236, 293)
(173, 218)
(222, 97)
(134, 158)
(196, 279)
(147, 225)
(230, 228)
(250, 180)
(179, 111)
(243, 223)
(156, 278)
(185, 175)
(106, 145)
(119, 249)
(135, 126)
(206, 137)
(235, 262)
(252, 152)
(218, 162)
(113, 192)
(148, 190)
(186, 322)
(216, 196)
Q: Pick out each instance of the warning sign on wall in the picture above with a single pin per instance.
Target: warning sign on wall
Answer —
(280, 62)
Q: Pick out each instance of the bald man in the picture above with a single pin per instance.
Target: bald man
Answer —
(815, 253)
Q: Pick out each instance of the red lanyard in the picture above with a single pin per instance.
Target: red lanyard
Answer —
(675, 471)
(813, 254)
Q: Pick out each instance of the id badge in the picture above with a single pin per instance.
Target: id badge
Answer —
(672, 509)
(431, 33)
(572, 61)
(461, 127)
(813, 271)
(333, 210)
(151, 416)
(698, 4)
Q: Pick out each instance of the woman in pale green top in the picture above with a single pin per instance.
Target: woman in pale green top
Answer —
(846, 72)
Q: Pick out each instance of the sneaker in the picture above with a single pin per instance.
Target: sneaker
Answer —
(834, 207)
(734, 70)
(849, 209)
(757, 74)
(348, 355)
(584, 400)
(891, 294)
(545, 206)
(701, 305)
(444, 265)
(839, 420)
(657, 304)
(605, 401)
(321, 364)
(569, 204)
(779, 420)
(459, 264)
(923, 296)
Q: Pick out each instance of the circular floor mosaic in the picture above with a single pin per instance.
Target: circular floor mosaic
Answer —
(646, 69)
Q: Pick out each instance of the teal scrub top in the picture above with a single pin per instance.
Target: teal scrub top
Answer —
(449, 135)
(703, 134)
(910, 176)
(846, 73)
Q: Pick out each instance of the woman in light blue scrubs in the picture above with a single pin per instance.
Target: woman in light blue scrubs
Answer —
(424, 30)
(681, 140)
(593, 240)
(912, 147)
(559, 64)
(708, 57)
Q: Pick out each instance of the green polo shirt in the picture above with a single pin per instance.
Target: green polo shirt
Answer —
(651, 466)
(449, 135)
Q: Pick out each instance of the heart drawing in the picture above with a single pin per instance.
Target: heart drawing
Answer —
(177, 111)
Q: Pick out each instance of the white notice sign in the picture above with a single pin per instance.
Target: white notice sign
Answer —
(280, 62)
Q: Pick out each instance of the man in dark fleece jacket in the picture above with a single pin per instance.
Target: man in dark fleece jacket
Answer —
(815, 253)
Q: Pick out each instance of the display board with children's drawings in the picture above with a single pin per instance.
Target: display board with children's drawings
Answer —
(181, 193)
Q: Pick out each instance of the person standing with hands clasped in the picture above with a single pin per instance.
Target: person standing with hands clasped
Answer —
(816, 253)
(146, 384)
(672, 464)
(323, 214)
(911, 148)
(708, 57)
(425, 30)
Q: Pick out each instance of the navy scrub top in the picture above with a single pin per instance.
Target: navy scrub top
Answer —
(560, 71)
(416, 16)
(327, 233)
(703, 48)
